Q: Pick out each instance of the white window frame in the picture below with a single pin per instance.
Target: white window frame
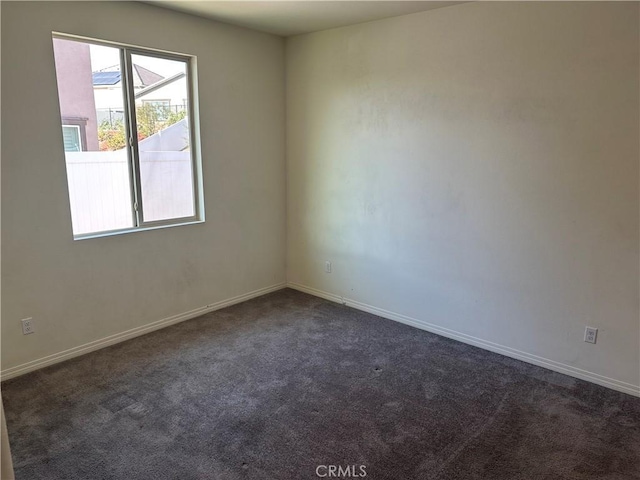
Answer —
(77, 127)
(133, 157)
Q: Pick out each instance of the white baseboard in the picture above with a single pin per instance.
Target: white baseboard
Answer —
(134, 332)
(478, 342)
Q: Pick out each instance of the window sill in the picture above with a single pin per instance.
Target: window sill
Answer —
(110, 233)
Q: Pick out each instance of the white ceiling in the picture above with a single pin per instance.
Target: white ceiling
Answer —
(292, 17)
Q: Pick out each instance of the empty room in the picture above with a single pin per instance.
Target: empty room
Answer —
(320, 239)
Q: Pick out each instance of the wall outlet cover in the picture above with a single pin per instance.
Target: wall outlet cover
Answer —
(28, 326)
(590, 334)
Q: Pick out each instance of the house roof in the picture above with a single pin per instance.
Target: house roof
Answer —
(142, 77)
(162, 83)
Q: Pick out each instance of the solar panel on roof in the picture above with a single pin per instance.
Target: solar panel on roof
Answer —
(106, 78)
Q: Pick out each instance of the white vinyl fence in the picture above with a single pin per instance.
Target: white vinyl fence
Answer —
(100, 192)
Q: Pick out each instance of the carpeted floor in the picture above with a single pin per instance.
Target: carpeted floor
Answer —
(287, 385)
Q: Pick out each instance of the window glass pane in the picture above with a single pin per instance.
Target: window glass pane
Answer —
(164, 142)
(90, 92)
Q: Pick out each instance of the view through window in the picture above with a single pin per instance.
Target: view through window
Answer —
(127, 130)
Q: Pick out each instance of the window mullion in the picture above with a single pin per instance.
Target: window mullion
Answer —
(132, 137)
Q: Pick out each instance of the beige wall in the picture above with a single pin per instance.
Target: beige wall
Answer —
(475, 168)
(83, 291)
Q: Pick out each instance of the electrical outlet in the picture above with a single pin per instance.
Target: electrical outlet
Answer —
(28, 326)
(327, 267)
(590, 334)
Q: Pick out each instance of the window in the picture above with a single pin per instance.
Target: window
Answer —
(129, 134)
(74, 133)
(71, 137)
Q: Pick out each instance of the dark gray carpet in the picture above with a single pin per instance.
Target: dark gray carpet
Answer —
(274, 387)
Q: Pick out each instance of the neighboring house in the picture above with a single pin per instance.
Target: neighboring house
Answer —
(169, 94)
(77, 105)
(151, 88)
(107, 84)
